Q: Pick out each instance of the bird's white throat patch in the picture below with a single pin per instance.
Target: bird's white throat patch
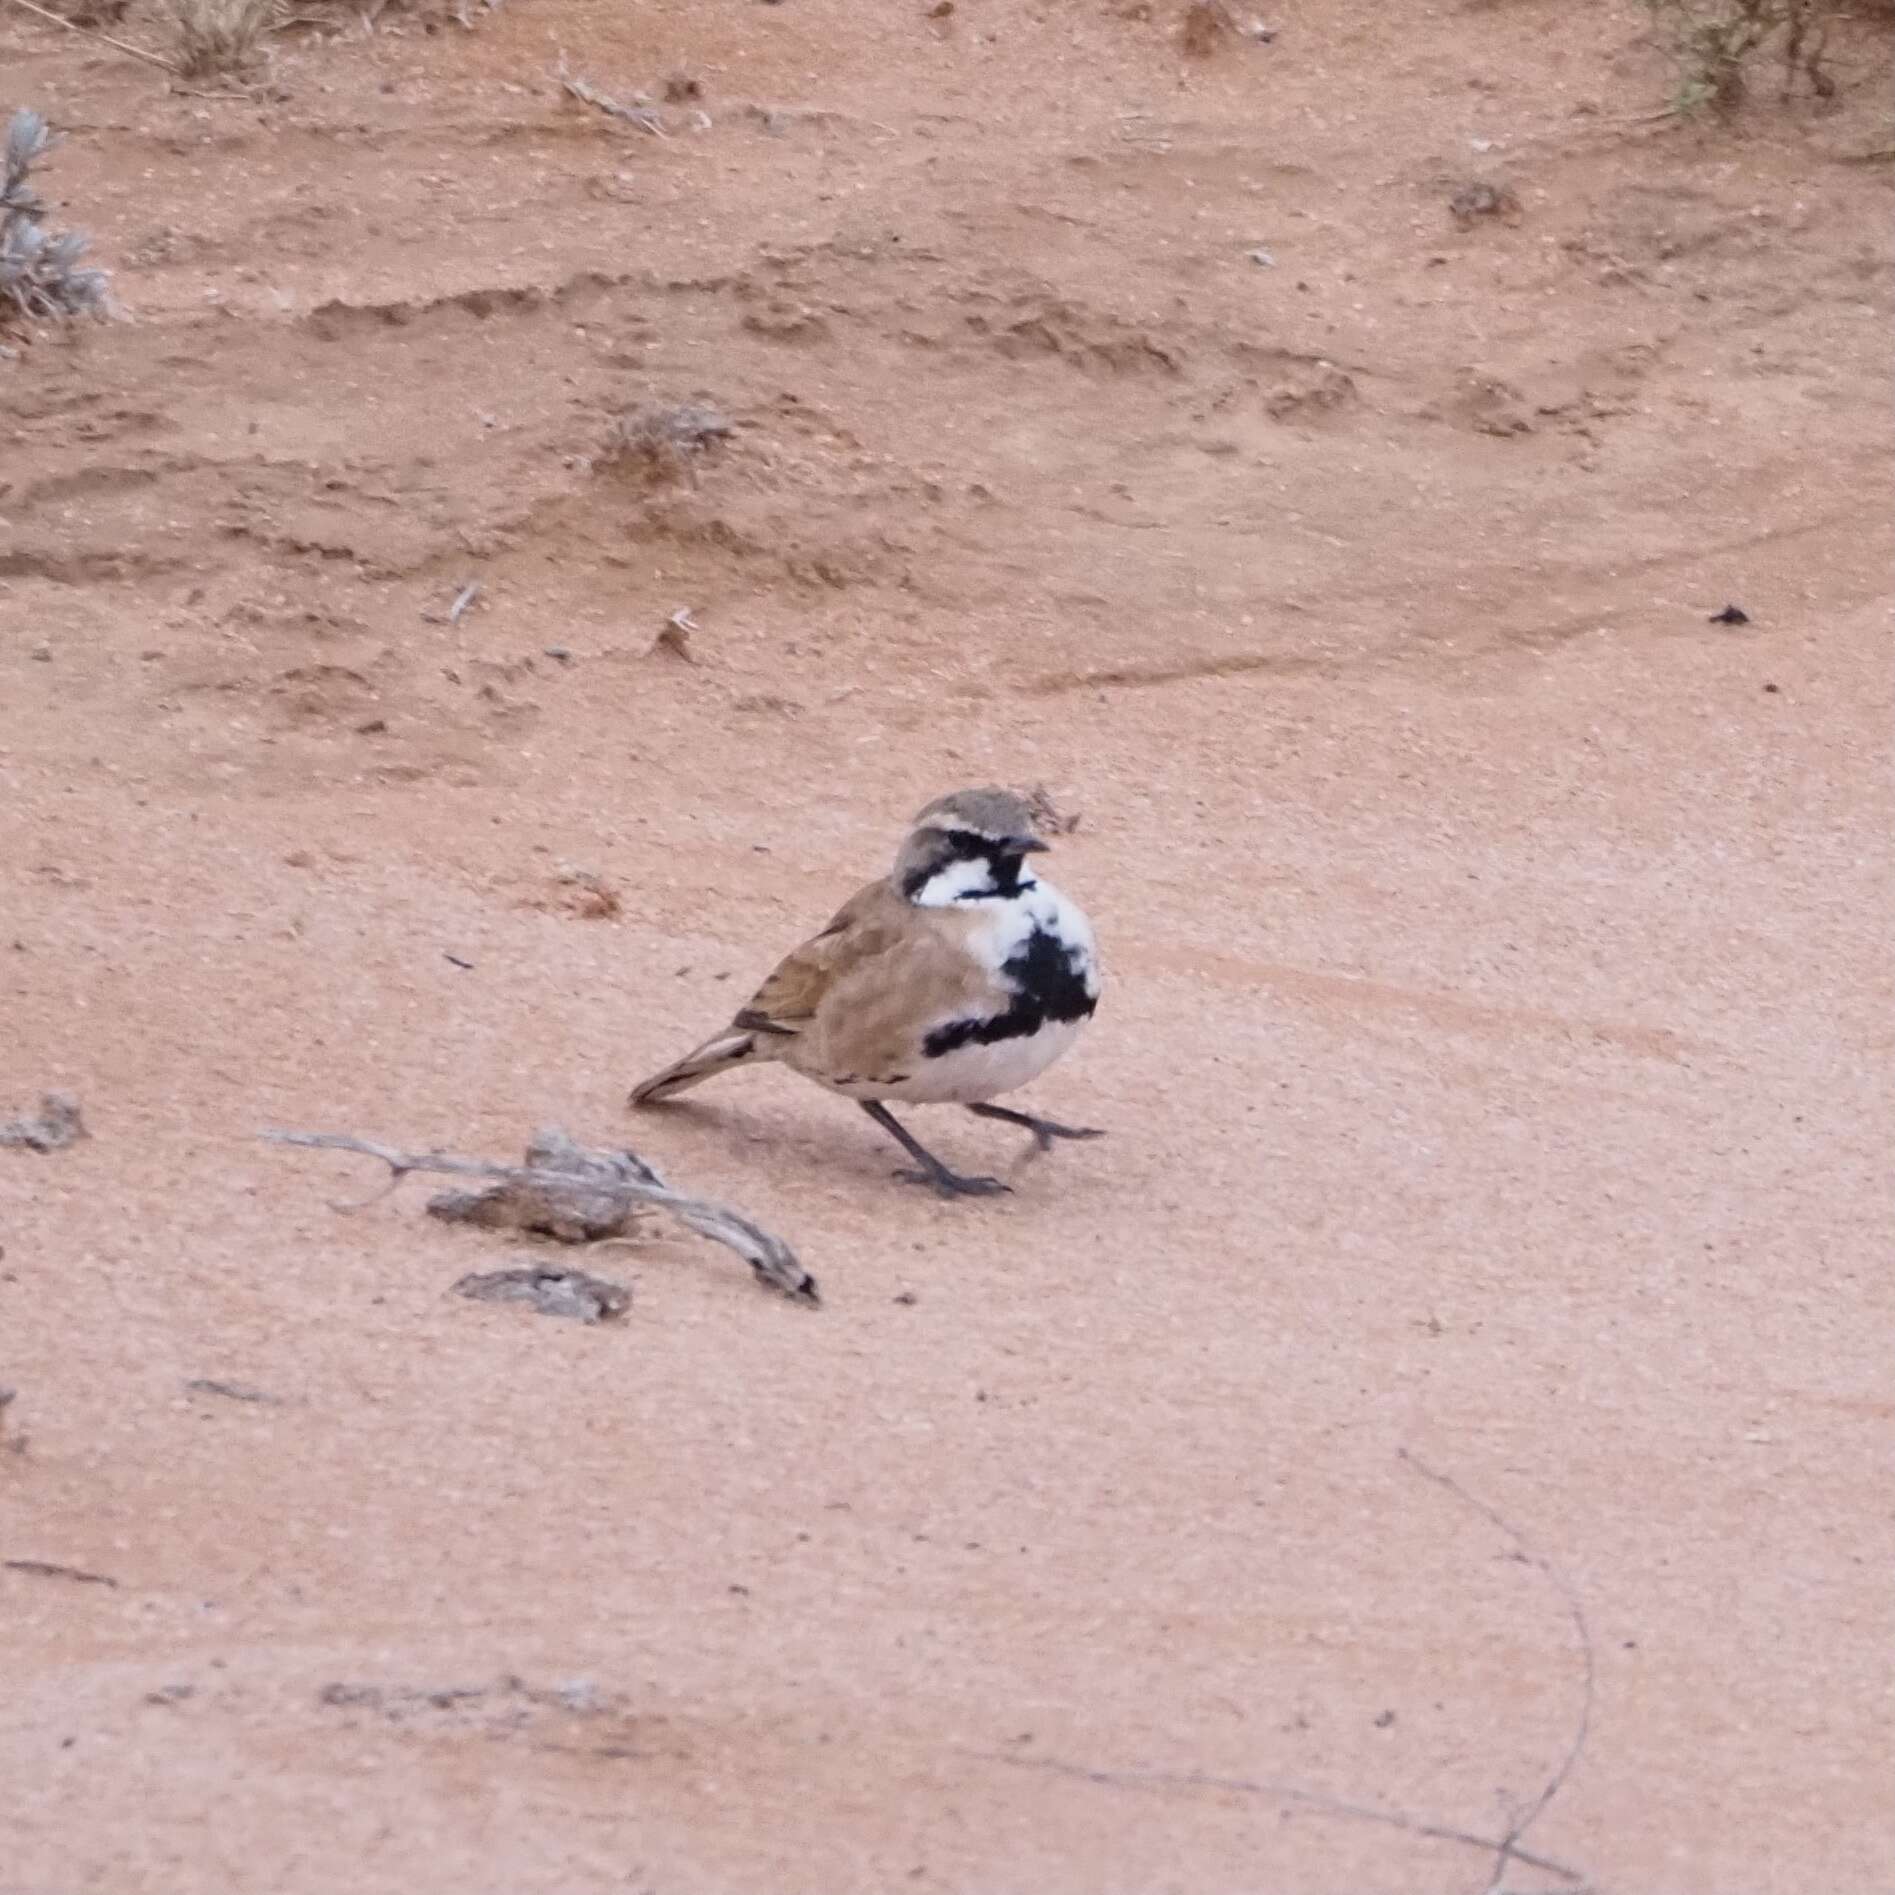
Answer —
(967, 880)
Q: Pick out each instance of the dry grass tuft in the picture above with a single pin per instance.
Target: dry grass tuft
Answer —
(1716, 42)
(219, 36)
(656, 442)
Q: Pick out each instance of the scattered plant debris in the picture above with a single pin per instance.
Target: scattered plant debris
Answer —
(505, 1705)
(59, 1124)
(548, 1292)
(639, 112)
(231, 1391)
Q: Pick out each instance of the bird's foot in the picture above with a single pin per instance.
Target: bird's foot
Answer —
(954, 1184)
(1044, 1131)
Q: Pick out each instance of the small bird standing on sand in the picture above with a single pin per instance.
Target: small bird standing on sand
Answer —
(956, 978)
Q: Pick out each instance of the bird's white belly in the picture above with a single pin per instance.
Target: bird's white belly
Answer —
(975, 1072)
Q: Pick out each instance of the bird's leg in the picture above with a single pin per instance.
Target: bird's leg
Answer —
(932, 1171)
(1044, 1130)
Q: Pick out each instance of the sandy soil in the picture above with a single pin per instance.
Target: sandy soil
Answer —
(1495, 1046)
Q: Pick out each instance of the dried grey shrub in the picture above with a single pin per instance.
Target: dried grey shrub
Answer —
(41, 272)
(657, 441)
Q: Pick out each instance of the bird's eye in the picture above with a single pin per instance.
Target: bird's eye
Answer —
(968, 842)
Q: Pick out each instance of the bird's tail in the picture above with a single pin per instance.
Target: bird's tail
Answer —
(719, 1053)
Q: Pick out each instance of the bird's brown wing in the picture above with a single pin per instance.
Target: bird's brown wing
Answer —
(868, 924)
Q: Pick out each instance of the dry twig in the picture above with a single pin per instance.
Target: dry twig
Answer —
(92, 32)
(1508, 1849)
(1286, 1793)
(231, 1391)
(53, 1569)
(1505, 1849)
(638, 113)
(629, 1184)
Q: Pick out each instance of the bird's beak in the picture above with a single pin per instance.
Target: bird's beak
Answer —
(1028, 845)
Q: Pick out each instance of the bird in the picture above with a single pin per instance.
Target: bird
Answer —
(955, 978)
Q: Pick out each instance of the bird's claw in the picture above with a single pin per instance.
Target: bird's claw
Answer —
(1045, 1133)
(953, 1184)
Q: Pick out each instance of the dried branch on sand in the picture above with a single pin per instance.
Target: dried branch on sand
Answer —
(565, 1191)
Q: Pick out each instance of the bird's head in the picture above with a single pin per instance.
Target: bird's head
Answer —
(971, 845)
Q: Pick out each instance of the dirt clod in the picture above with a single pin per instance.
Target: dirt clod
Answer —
(587, 894)
(1203, 27)
(1484, 198)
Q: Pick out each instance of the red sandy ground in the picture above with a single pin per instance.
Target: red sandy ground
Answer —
(1495, 1045)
